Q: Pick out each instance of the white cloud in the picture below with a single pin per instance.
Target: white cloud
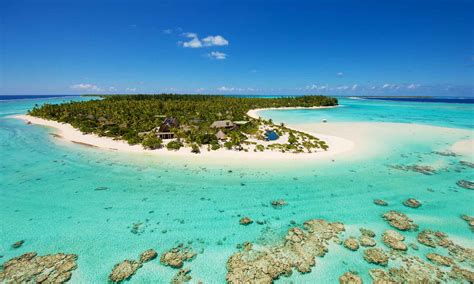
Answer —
(131, 89)
(168, 31)
(340, 74)
(86, 87)
(215, 40)
(354, 87)
(217, 55)
(112, 89)
(342, 88)
(413, 86)
(195, 42)
(226, 89)
(316, 87)
(235, 89)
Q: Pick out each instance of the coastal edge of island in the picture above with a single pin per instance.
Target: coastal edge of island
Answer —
(67, 132)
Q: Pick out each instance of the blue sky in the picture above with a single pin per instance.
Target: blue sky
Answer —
(249, 47)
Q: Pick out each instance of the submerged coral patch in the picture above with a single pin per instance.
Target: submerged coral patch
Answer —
(176, 256)
(31, 268)
(298, 251)
(465, 184)
(426, 170)
(400, 221)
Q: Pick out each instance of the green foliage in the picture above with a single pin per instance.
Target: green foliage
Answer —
(260, 148)
(249, 128)
(152, 142)
(195, 149)
(215, 146)
(292, 138)
(228, 145)
(125, 116)
(174, 145)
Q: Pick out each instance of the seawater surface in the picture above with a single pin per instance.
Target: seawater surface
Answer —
(106, 206)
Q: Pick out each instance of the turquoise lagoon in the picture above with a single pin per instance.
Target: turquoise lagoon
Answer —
(49, 199)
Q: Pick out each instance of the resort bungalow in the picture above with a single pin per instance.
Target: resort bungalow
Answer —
(226, 124)
(164, 131)
(240, 122)
(220, 135)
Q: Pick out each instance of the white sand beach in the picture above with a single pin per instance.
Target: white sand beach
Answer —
(67, 132)
(346, 140)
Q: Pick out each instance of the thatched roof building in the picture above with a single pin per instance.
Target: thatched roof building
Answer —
(223, 124)
(220, 135)
(168, 123)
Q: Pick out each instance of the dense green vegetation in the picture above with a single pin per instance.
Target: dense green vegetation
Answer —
(134, 117)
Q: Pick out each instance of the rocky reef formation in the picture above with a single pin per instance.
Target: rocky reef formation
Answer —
(367, 232)
(400, 221)
(351, 244)
(366, 239)
(376, 256)
(298, 251)
(413, 270)
(412, 203)
(439, 259)
(380, 202)
(182, 276)
(456, 252)
(469, 220)
(394, 240)
(465, 184)
(176, 256)
(426, 170)
(125, 269)
(446, 153)
(467, 164)
(350, 278)
(31, 268)
(245, 221)
(426, 237)
(148, 255)
(18, 244)
(278, 203)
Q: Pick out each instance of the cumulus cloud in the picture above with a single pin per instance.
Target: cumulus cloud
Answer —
(226, 89)
(131, 89)
(215, 40)
(316, 87)
(195, 42)
(217, 55)
(236, 89)
(86, 87)
(413, 86)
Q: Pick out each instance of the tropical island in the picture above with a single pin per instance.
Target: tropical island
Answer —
(197, 122)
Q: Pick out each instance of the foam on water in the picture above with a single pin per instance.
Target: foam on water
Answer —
(68, 198)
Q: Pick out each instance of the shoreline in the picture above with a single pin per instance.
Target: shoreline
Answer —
(66, 132)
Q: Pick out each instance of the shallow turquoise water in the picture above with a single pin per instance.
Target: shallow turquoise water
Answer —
(48, 195)
(437, 114)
